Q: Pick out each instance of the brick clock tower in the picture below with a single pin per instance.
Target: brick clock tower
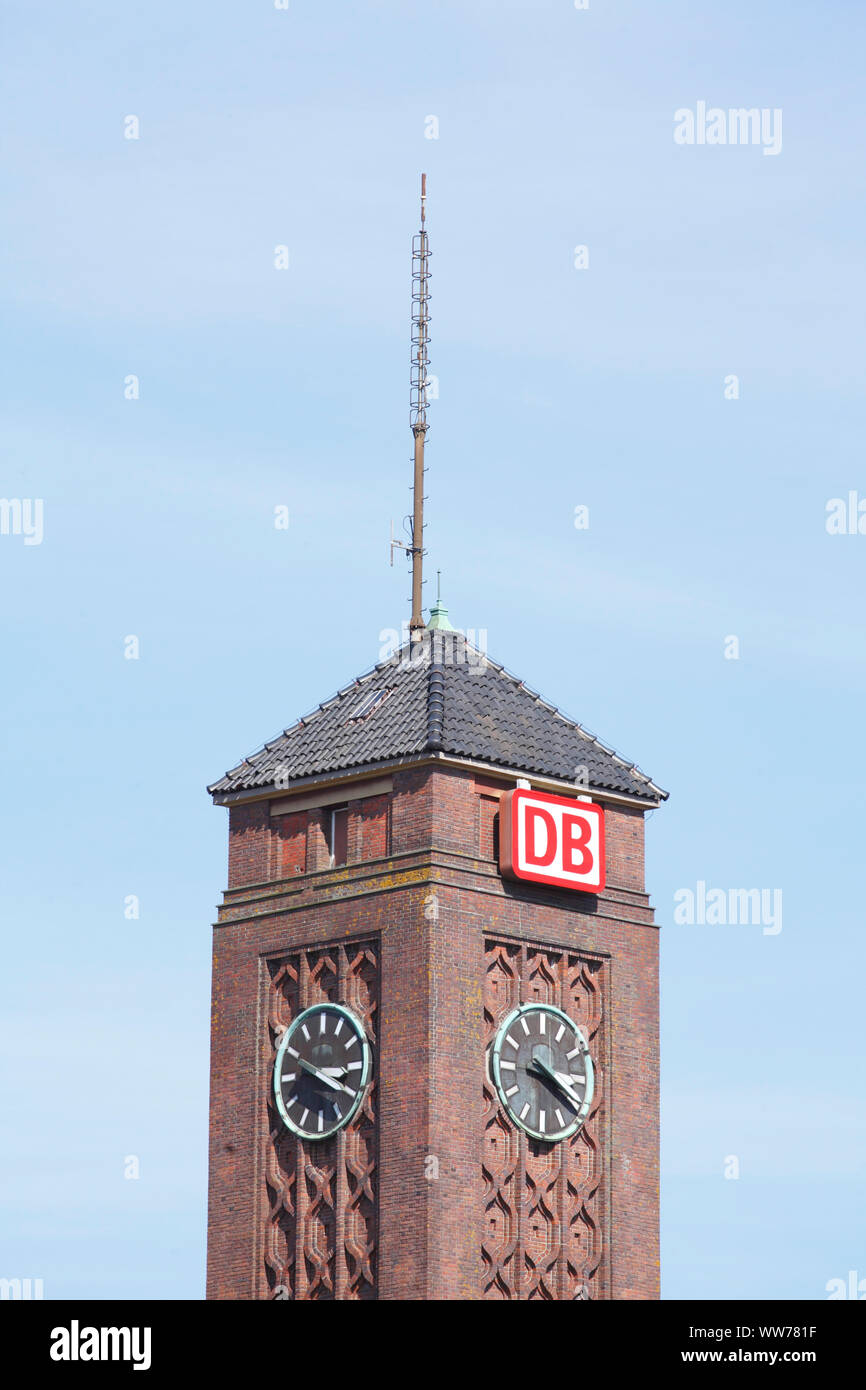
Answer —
(365, 871)
(434, 1046)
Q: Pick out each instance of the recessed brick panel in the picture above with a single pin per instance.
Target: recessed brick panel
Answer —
(319, 1204)
(546, 1233)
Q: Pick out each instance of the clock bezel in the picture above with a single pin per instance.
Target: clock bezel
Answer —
(355, 1023)
(496, 1076)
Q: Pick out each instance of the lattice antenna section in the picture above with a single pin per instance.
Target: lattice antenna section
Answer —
(420, 376)
(418, 402)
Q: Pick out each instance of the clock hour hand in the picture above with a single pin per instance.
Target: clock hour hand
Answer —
(322, 1076)
(559, 1080)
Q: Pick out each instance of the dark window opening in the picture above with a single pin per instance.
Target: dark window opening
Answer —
(337, 826)
(371, 701)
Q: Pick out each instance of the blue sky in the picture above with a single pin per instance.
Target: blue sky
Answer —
(558, 387)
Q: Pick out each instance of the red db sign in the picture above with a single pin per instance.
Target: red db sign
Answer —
(552, 839)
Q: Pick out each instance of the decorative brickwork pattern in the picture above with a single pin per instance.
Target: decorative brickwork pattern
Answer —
(543, 1203)
(321, 1202)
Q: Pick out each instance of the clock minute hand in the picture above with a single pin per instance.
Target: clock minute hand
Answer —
(328, 1080)
(558, 1080)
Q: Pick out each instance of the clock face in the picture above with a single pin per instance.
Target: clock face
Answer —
(321, 1071)
(542, 1069)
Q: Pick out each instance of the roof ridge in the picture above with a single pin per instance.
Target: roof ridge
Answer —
(435, 705)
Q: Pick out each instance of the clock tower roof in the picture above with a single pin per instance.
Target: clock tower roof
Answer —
(438, 695)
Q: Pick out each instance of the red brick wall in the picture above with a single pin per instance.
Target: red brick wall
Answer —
(624, 829)
(318, 853)
(412, 810)
(249, 844)
(431, 908)
(263, 847)
(488, 812)
(370, 817)
(290, 835)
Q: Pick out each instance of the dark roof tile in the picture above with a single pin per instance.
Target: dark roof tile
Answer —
(446, 697)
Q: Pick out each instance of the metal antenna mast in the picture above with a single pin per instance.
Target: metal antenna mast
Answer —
(420, 376)
(418, 396)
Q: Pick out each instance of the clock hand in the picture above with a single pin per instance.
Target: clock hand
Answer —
(322, 1076)
(559, 1080)
(568, 1080)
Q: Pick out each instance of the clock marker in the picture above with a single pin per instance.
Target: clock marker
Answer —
(354, 1066)
(305, 1032)
(323, 1019)
(303, 1117)
(574, 1051)
(542, 1120)
(508, 1066)
(525, 1026)
(292, 1050)
(321, 1120)
(509, 1039)
(351, 1042)
(560, 1033)
(513, 1090)
(338, 1028)
(525, 1111)
(560, 1120)
(543, 1028)
(289, 1075)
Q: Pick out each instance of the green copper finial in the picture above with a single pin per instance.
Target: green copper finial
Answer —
(439, 613)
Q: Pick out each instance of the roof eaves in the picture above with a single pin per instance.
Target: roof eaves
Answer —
(547, 779)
